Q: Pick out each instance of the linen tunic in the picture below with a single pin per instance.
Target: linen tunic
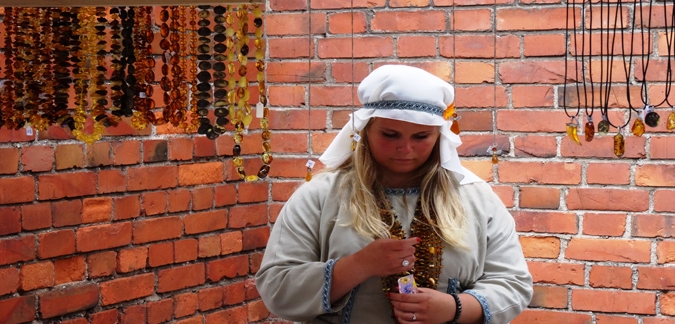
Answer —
(310, 235)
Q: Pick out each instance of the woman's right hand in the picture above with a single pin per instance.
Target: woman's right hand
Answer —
(385, 257)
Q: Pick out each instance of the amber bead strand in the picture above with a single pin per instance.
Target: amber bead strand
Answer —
(260, 77)
(164, 44)
(243, 93)
(62, 36)
(204, 95)
(144, 74)
(128, 20)
(85, 57)
(176, 70)
(99, 89)
(32, 67)
(149, 67)
(231, 67)
(117, 77)
(194, 116)
(45, 71)
(9, 89)
(180, 83)
(219, 70)
(22, 55)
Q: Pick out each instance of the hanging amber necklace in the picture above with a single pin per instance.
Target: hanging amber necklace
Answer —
(165, 83)
(62, 36)
(428, 253)
(144, 74)
(204, 95)
(45, 77)
(220, 76)
(180, 86)
(194, 116)
(7, 107)
(117, 77)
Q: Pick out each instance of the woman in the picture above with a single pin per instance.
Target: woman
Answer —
(399, 204)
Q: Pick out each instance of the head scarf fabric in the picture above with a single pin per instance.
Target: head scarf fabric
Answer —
(408, 94)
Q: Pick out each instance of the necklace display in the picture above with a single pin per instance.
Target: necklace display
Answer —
(428, 253)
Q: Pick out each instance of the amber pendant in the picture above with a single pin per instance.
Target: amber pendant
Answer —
(638, 127)
(619, 145)
(589, 129)
(310, 166)
(652, 119)
(495, 153)
(572, 129)
(455, 124)
(670, 125)
(603, 126)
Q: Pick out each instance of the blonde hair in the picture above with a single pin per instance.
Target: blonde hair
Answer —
(439, 195)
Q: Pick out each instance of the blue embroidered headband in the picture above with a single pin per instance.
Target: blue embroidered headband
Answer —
(407, 105)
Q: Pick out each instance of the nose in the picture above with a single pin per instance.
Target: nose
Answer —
(404, 146)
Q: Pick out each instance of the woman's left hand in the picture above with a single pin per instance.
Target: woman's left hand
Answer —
(427, 306)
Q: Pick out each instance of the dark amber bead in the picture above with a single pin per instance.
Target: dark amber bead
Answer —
(589, 131)
(236, 151)
(603, 127)
(264, 171)
(652, 119)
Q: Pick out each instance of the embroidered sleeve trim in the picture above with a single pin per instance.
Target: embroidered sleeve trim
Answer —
(483, 303)
(327, 281)
(347, 312)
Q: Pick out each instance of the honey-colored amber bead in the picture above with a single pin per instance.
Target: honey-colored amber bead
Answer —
(247, 120)
(572, 129)
(251, 178)
(239, 126)
(266, 112)
(238, 162)
(455, 125)
(432, 250)
(266, 146)
(266, 135)
(670, 124)
(619, 145)
(264, 123)
(638, 127)
(308, 177)
(267, 158)
(495, 159)
(589, 131)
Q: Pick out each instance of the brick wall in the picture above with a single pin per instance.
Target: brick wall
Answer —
(152, 226)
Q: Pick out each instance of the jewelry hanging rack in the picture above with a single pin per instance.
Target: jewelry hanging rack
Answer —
(108, 3)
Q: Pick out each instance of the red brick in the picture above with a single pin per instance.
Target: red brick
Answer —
(275, 209)
(245, 216)
(255, 259)
(611, 277)
(37, 158)
(126, 152)
(257, 311)
(126, 207)
(291, 48)
(56, 243)
(545, 222)
(36, 216)
(336, 4)
(180, 149)
(663, 201)
(14, 250)
(614, 301)
(160, 311)
(185, 250)
(658, 320)
(471, 20)
(342, 73)
(479, 46)
(146, 230)
(617, 250)
(101, 264)
(179, 200)
(227, 268)
(210, 298)
(17, 190)
(155, 150)
(10, 222)
(297, 120)
(18, 310)
(606, 319)
(604, 224)
(535, 146)
(655, 175)
(37, 275)
(10, 281)
(231, 242)
(9, 160)
(549, 297)
(69, 156)
(198, 319)
(181, 277)
(287, 96)
(209, 246)
(295, 24)
(154, 203)
(202, 198)
(132, 259)
(668, 303)
(608, 173)
(203, 173)
(225, 195)
(544, 45)
(657, 278)
(653, 226)
(237, 314)
(551, 317)
(539, 197)
(106, 317)
(149, 178)
(79, 320)
(98, 154)
(69, 270)
(111, 181)
(364, 47)
(409, 21)
(67, 300)
(540, 247)
(532, 19)
(295, 72)
(287, 5)
(205, 222)
(160, 254)
(665, 252)
(607, 199)
(96, 210)
(478, 96)
(532, 96)
(251, 290)
(185, 304)
(557, 273)
(204, 147)
(129, 288)
(63, 185)
(234, 293)
(67, 212)
(505, 194)
(255, 238)
(474, 72)
(540, 172)
(103, 237)
(134, 314)
(347, 23)
(252, 192)
(660, 147)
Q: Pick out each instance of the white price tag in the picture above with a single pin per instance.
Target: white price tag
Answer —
(142, 95)
(29, 131)
(357, 137)
(259, 110)
(310, 164)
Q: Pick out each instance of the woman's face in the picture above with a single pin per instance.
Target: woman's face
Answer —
(400, 147)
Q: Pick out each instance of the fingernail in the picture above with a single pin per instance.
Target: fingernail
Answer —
(418, 240)
(388, 295)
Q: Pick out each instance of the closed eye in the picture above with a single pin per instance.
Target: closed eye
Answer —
(390, 134)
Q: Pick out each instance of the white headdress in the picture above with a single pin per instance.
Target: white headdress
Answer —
(408, 94)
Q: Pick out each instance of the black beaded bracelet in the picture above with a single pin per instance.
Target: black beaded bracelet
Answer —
(458, 308)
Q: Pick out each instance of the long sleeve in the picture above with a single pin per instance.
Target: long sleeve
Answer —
(505, 286)
(295, 274)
